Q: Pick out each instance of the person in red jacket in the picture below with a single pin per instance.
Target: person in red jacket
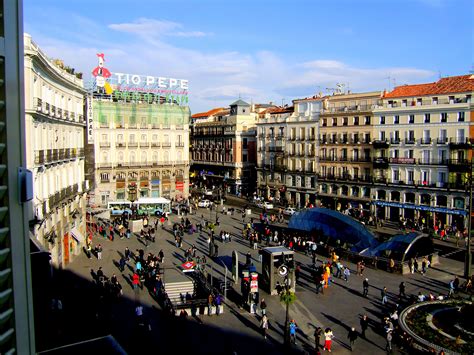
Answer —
(135, 281)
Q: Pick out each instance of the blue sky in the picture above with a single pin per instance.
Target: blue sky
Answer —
(261, 50)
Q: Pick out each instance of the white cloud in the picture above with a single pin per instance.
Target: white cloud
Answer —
(146, 27)
(218, 78)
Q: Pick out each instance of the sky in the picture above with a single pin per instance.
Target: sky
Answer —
(262, 50)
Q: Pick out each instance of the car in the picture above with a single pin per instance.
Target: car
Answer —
(289, 211)
(204, 203)
(266, 205)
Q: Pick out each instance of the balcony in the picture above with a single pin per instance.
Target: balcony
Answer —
(60, 113)
(410, 141)
(394, 140)
(179, 144)
(166, 144)
(458, 165)
(425, 141)
(380, 163)
(402, 161)
(442, 140)
(275, 149)
(423, 161)
(132, 144)
(144, 145)
(460, 143)
(361, 160)
(155, 144)
(120, 145)
(380, 144)
(53, 111)
(104, 166)
(104, 144)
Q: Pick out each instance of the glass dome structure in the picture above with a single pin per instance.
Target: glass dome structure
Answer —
(334, 225)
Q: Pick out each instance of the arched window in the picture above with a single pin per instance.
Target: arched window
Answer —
(120, 157)
(144, 157)
(132, 157)
(166, 156)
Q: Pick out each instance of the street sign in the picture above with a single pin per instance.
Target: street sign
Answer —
(188, 266)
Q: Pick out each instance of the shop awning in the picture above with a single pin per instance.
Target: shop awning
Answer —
(77, 236)
(420, 207)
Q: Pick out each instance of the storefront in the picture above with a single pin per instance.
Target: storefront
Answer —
(144, 188)
(155, 188)
(166, 188)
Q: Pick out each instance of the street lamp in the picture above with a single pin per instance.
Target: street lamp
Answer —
(468, 257)
(288, 297)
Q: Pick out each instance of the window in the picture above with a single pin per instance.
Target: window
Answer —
(154, 137)
(245, 143)
(325, 122)
(345, 121)
(411, 119)
(367, 120)
(382, 119)
(443, 136)
(334, 121)
(396, 175)
(404, 103)
(435, 101)
(411, 137)
(132, 138)
(461, 116)
(427, 118)
(143, 138)
(444, 117)
(104, 138)
(356, 121)
(441, 177)
(382, 135)
(410, 176)
(143, 123)
(410, 153)
(396, 119)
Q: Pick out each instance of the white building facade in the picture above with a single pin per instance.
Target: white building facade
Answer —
(55, 127)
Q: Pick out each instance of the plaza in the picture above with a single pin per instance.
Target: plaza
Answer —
(236, 330)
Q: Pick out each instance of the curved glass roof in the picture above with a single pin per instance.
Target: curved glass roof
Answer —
(335, 225)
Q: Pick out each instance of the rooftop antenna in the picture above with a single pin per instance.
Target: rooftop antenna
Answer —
(389, 78)
(282, 102)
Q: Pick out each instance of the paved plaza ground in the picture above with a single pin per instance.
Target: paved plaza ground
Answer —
(235, 331)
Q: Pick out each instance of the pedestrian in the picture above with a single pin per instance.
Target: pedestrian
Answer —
(135, 281)
(451, 288)
(264, 326)
(365, 285)
(122, 264)
(424, 263)
(127, 254)
(318, 332)
(364, 324)
(263, 306)
(293, 328)
(210, 300)
(99, 252)
(216, 250)
(401, 287)
(383, 293)
(347, 273)
(352, 336)
(218, 301)
(328, 335)
(392, 265)
(389, 337)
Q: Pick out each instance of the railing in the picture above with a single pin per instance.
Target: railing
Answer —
(425, 141)
(166, 144)
(144, 144)
(120, 144)
(348, 108)
(105, 144)
(132, 144)
(179, 144)
(155, 144)
(409, 140)
(443, 140)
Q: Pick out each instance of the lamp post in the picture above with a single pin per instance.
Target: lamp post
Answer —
(468, 257)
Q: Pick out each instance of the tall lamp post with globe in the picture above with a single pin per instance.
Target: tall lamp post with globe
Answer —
(287, 297)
